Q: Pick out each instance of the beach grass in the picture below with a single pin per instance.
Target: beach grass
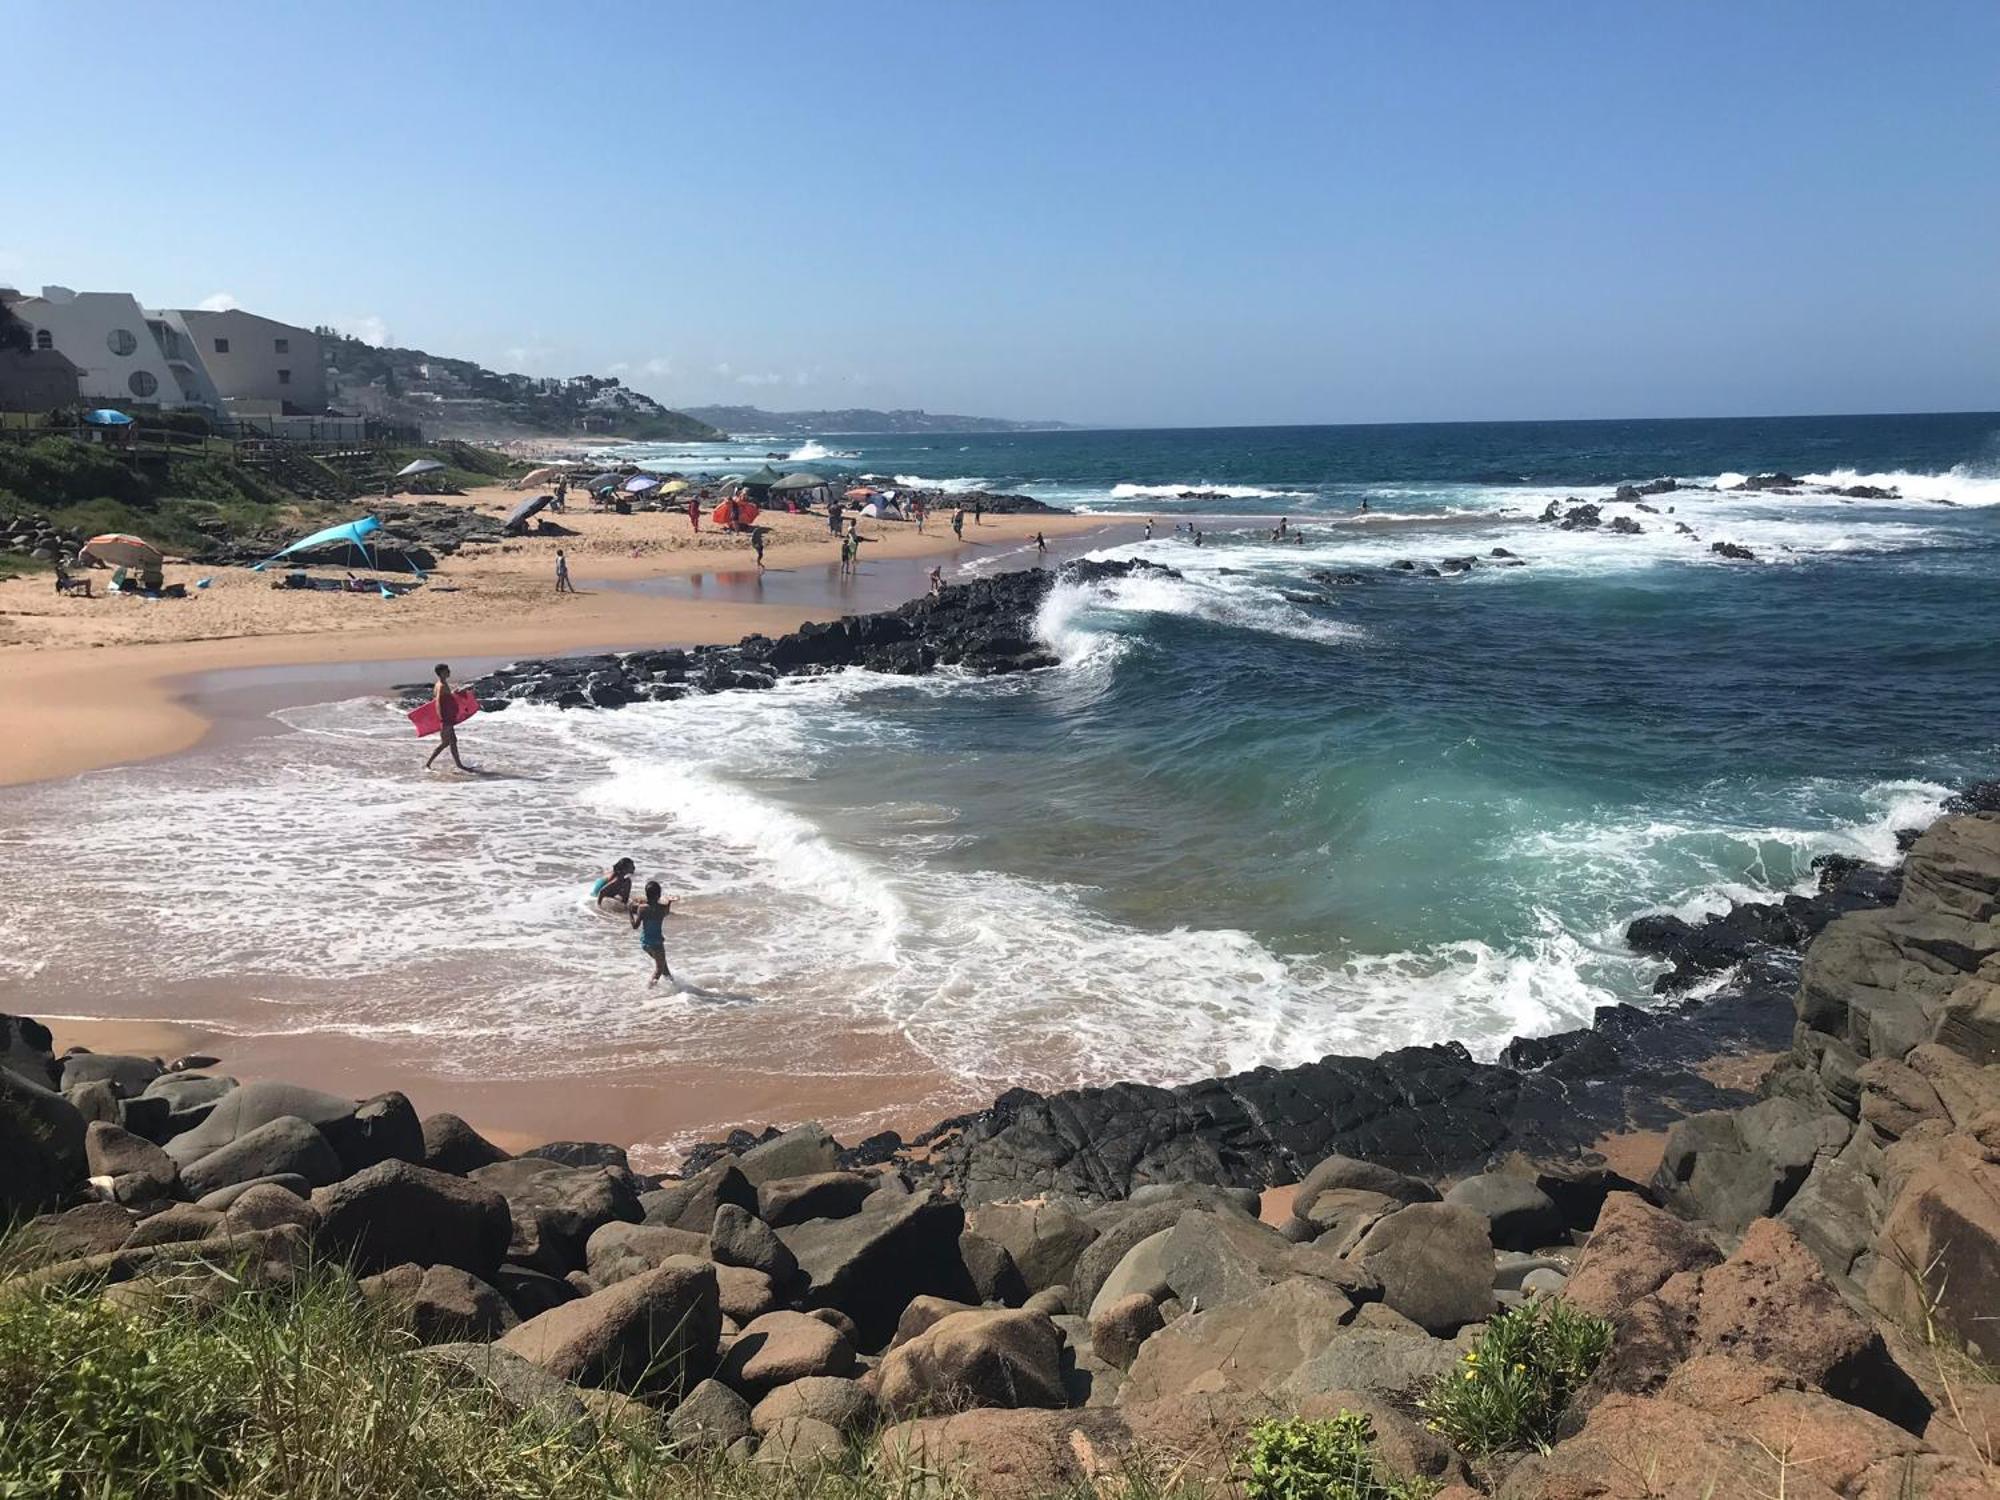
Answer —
(310, 1391)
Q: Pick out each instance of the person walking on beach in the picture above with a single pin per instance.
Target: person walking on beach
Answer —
(979, 512)
(617, 886)
(561, 501)
(694, 516)
(1041, 549)
(757, 545)
(958, 523)
(918, 509)
(447, 711)
(651, 920)
(563, 585)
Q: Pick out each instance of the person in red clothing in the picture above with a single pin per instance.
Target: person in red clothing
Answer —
(447, 707)
(694, 514)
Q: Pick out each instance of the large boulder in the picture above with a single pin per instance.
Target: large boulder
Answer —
(802, 1151)
(709, 1418)
(1346, 1173)
(1771, 1304)
(781, 1347)
(451, 1145)
(1210, 1259)
(135, 1170)
(1142, 1272)
(979, 1358)
(690, 1204)
(1030, 1454)
(554, 1209)
(1435, 1263)
(1253, 1344)
(1722, 1426)
(1937, 1256)
(1729, 1167)
(27, 1051)
(1632, 1251)
(394, 1212)
(42, 1154)
(740, 1238)
(1392, 1362)
(87, 1229)
(617, 1250)
(128, 1076)
(1119, 1229)
(871, 1264)
(520, 1386)
(440, 1304)
(1117, 1331)
(241, 1110)
(1043, 1239)
(285, 1146)
(845, 1405)
(652, 1333)
(1518, 1214)
(990, 1271)
(819, 1195)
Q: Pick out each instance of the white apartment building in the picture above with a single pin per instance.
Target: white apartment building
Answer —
(116, 349)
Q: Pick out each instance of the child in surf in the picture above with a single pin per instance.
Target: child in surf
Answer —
(651, 920)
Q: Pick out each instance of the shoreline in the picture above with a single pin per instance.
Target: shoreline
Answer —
(87, 706)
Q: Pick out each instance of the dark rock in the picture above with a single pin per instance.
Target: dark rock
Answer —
(530, 1292)
(522, 1387)
(781, 1347)
(241, 1110)
(128, 1075)
(290, 1182)
(978, 1358)
(691, 1204)
(41, 1144)
(555, 1208)
(174, 1224)
(822, 1195)
(1118, 1330)
(618, 1250)
(1631, 1253)
(872, 1264)
(1518, 1214)
(285, 1146)
(266, 1205)
(139, 1171)
(653, 1333)
(582, 1154)
(1730, 1168)
(440, 1304)
(451, 1145)
(709, 1419)
(845, 1405)
(739, 1238)
(991, 1270)
(1043, 1239)
(1624, 526)
(395, 1212)
(1435, 1263)
(1733, 550)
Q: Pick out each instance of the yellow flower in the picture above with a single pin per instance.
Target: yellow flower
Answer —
(1471, 1374)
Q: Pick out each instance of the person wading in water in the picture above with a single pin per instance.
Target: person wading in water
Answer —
(447, 707)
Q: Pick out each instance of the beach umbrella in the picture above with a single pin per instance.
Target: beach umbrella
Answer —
(104, 416)
(675, 487)
(861, 492)
(793, 483)
(517, 520)
(638, 484)
(604, 484)
(116, 549)
(353, 534)
(735, 513)
(537, 476)
(421, 466)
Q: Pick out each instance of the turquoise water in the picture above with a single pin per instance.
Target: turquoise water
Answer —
(1249, 819)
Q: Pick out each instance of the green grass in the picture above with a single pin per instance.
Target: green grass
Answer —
(1513, 1385)
(311, 1392)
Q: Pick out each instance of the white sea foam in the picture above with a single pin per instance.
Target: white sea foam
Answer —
(813, 448)
(1238, 603)
(1223, 491)
(959, 485)
(1964, 484)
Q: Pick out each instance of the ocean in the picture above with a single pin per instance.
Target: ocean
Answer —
(1251, 819)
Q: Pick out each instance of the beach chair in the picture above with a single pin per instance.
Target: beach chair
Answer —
(68, 583)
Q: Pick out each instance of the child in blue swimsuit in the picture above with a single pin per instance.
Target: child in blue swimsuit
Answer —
(651, 919)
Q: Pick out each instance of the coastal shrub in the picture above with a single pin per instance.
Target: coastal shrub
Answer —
(1296, 1459)
(1513, 1385)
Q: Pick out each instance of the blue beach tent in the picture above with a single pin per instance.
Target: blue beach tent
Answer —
(355, 534)
(104, 416)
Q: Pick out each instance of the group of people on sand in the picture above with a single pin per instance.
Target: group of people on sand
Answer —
(648, 917)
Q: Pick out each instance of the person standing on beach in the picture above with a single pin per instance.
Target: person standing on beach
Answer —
(694, 516)
(651, 920)
(563, 585)
(561, 501)
(757, 545)
(1041, 549)
(1149, 528)
(447, 711)
(979, 512)
(958, 523)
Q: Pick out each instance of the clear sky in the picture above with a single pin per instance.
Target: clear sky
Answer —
(1153, 213)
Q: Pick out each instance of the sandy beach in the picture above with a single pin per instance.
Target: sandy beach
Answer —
(89, 683)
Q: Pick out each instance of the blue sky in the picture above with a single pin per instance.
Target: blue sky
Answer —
(1156, 213)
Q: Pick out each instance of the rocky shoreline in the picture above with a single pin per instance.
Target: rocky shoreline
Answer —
(1803, 1294)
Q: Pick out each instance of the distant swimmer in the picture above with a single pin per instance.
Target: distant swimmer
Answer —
(1149, 528)
(447, 712)
(1364, 505)
(617, 886)
(651, 919)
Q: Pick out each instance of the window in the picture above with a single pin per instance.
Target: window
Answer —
(44, 339)
(142, 383)
(284, 377)
(222, 346)
(121, 340)
(284, 345)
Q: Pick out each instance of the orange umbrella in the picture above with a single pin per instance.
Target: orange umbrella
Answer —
(117, 549)
(861, 492)
(735, 513)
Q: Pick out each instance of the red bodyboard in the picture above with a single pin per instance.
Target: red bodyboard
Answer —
(425, 715)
